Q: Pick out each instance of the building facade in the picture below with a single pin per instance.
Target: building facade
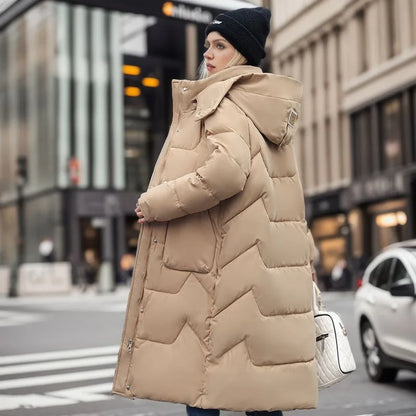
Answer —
(84, 111)
(356, 145)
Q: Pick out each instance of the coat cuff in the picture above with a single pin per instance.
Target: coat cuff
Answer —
(161, 203)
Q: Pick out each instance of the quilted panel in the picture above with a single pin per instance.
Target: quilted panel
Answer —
(177, 312)
(262, 335)
(276, 290)
(268, 388)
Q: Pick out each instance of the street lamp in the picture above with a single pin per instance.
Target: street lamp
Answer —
(21, 178)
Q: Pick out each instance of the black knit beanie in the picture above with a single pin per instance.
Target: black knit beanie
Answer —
(246, 29)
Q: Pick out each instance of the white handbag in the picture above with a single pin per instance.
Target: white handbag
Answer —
(333, 353)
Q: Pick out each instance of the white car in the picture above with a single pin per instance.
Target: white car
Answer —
(385, 309)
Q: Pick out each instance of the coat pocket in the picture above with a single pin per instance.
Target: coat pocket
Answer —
(190, 243)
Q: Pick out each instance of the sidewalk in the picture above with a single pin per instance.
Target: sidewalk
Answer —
(120, 294)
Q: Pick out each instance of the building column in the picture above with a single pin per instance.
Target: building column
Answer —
(307, 122)
(333, 106)
(320, 110)
(99, 112)
(81, 91)
(63, 71)
(297, 69)
(116, 104)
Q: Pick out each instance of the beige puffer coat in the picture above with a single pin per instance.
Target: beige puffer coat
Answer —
(219, 314)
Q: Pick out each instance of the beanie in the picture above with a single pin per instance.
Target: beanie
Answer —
(246, 29)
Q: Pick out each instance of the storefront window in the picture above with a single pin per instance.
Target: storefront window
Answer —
(388, 223)
(328, 233)
(391, 132)
(137, 132)
(363, 152)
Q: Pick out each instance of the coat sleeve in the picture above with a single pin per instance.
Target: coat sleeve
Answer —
(223, 175)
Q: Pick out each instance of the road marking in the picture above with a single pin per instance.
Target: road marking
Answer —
(56, 355)
(56, 378)
(57, 365)
(96, 307)
(30, 401)
(85, 393)
(12, 318)
(38, 362)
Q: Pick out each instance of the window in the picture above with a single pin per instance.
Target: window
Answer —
(362, 41)
(392, 29)
(362, 152)
(315, 142)
(325, 65)
(302, 154)
(391, 132)
(400, 272)
(328, 148)
(380, 276)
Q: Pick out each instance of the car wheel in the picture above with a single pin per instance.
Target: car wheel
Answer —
(374, 356)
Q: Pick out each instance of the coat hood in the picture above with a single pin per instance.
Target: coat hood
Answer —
(270, 101)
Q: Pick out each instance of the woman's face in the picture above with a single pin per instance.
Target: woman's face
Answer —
(219, 52)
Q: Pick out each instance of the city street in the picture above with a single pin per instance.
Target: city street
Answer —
(57, 357)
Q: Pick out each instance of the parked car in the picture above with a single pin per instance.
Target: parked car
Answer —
(385, 309)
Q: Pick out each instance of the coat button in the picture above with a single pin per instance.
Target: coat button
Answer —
(185, 89)
(155, 240)
(141, 310)
(128, 387)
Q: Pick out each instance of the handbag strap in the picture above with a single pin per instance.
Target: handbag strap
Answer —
(317, 299)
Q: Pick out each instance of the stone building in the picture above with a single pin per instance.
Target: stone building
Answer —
(356, 143)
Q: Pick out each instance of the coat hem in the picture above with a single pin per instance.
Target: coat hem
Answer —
(227, 409)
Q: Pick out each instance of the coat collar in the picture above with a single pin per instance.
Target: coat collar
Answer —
(209, 92)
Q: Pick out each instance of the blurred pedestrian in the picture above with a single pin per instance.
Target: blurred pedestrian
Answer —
(88, 270)
(341, 277)
(219, 314)
(47, 250)
(126, 267)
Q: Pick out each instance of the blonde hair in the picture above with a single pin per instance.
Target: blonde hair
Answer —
(237, 59)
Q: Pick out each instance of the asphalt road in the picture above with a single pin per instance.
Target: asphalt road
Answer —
(57, 357)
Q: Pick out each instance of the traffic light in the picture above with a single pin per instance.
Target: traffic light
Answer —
(22, 169)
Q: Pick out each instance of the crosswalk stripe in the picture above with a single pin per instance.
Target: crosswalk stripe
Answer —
(32, 401)
(13, 318)
(54, 355)
(56, 378)
(57, 365)
(85, 393)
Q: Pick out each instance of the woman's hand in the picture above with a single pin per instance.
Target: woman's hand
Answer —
(139, 214)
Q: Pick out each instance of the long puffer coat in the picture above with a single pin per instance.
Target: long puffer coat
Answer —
(219, 314)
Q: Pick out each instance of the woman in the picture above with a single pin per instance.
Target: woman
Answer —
(219, 313)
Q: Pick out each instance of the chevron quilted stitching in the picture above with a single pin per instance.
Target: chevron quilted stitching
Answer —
(199, 279)
(244, 319)
(280, 290)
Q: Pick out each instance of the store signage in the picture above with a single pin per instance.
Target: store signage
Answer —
(186, 12)
(379, 187)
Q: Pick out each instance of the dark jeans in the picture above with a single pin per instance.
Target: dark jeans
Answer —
(196, 411)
